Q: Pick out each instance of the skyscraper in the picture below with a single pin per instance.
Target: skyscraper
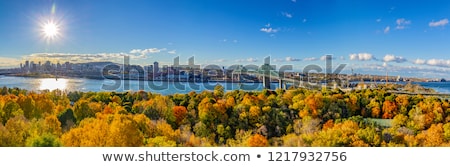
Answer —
(155, 67)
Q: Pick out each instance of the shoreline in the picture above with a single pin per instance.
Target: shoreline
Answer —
(130, 79)
(435, 87)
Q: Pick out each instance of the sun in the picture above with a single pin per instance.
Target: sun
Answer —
(50, 30)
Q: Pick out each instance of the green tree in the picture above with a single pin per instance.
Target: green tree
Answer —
(82, 110)
(45, 140)
(10, 109)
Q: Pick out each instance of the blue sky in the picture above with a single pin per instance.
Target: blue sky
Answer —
(409, 38)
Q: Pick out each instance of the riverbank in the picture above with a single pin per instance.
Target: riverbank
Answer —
(131, 79)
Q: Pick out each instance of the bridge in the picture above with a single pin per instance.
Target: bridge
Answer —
(267, 74)
(442, 95)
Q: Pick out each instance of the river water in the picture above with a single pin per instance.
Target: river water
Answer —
(161, 87)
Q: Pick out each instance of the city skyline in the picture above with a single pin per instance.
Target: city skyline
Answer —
(405, 38)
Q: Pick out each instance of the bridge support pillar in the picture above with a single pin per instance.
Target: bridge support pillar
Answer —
(266, 82)
(281, 84)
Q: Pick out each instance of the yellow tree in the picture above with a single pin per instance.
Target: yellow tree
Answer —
(389, 109)
(145, 125)
(91, 132)
(432, 137)
(27, 104)
(206, 112)
(124, 132)
(18, 128)
(180, 113)
(375, 108)
(403, 103)
(315, 103)
(257, 140)
(10, 110)
(52, 125)
(44, 105)
(82, 110)
(254, 114)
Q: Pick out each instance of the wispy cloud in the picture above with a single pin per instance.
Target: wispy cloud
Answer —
(439, 23)
(268, 30)
(247, 60)
(219, 61)
(278, 60)
(134, 54)
(439, 62)
(378, 20)
(419, 61)
(304, 20)
(286, 14)
(433, 62)
(387, 29)
(6, 62)
(393, 58)
(402, 23)
(289, 59)
(325, 57)
(147, 51)
(361, 56)
(172, 52)
(310, 59)
(81, 57)
(411, 70)
(294, 1)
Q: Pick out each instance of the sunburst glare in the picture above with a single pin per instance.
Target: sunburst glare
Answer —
(50, 30)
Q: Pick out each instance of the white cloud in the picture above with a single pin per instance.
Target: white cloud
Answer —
(252, 60)
(286, 14)
(419, 61)
(310, 59)
(219, 60)
(81, 57)
(438, 62)
(393, 58)
(269, 30)
(378, 20)
(172, 52)
(404, 70)
(361, 56)
(387, 29)
(291, 59)
(135, 51)
(442, 22)
(152, 50)
(304, 20)
(294, 1)
(325, 57)
(135, 54)
(402, 23)
(235, 41)
(342, 58)
(433, 62)
(147, 51)
(247, 60)
(6, 62)
(278, 60)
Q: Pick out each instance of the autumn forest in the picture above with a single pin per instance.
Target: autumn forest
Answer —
(293, 117)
